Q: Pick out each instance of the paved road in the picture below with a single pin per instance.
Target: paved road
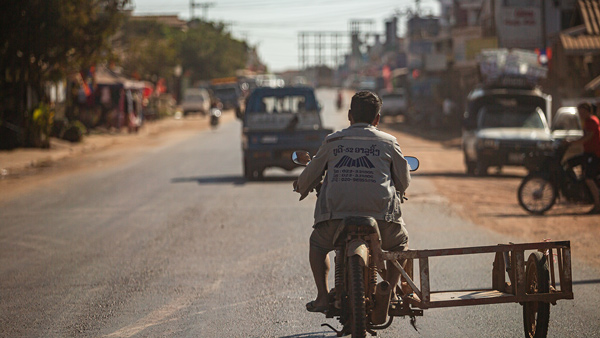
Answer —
(175, 243)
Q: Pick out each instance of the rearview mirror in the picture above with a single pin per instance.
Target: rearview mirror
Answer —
(301, 157)
(413, 162)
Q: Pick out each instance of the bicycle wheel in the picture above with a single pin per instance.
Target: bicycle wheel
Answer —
(536, 194)
(536, 315)
(357, 298)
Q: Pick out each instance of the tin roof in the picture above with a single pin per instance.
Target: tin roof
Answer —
(581, 43)
(590, 12)
(594, 84)
(584, 38)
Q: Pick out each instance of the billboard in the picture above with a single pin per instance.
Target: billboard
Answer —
(519, 24)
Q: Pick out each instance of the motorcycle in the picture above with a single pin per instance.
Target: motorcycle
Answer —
(360, 303)
(215, 114)
(550, 179)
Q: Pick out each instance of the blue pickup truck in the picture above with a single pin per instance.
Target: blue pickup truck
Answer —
(278, 121)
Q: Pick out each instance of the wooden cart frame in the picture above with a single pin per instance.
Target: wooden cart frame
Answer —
(510, 259)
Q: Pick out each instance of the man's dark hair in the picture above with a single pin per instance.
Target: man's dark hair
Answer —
(365, 106)
(585, 106)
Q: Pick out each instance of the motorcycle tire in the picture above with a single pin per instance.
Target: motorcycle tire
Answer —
(358, 319)
(537, 194)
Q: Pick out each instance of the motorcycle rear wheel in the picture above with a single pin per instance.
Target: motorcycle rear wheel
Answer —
(358, 320)
(536, 194)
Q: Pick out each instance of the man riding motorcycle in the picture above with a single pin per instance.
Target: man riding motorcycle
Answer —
(365, 175)
(590, 159)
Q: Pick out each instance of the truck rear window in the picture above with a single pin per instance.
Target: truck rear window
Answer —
(226, 93)
(282, 104)
(513, 117)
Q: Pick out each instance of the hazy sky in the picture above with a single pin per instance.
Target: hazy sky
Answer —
(273, 25)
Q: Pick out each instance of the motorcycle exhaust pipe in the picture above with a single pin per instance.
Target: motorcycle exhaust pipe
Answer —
(383, 295)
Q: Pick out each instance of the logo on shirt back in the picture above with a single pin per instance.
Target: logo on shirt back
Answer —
(349, 162)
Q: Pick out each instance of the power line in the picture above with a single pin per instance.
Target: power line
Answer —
(281, 4)
(204, 5)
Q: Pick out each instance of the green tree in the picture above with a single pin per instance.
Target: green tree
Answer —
(204, 50)
(208, 51)
(44, 40)
(150, 49)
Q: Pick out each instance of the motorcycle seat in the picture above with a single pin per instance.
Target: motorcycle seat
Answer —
(356, 224)
(361, 221)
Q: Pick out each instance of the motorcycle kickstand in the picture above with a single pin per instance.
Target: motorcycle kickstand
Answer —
(413, 322)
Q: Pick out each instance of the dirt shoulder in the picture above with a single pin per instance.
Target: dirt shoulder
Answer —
(24, 169)
(492, 201)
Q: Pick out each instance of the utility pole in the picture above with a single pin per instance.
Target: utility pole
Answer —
(204, 5)
(227, 26)
(418, 7)
(544, 44)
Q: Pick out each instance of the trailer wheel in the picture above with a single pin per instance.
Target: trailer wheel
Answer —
(536, 315)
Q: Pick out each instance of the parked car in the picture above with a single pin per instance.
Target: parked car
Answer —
(566, 123)
(502, 124)
(278, 121)
(393, 103)
(196, 100)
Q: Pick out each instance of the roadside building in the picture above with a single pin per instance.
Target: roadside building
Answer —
(575, 64)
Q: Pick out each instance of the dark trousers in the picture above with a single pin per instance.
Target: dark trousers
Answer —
(590, 164)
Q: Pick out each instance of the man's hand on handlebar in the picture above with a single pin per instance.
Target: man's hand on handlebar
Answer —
(295, 185)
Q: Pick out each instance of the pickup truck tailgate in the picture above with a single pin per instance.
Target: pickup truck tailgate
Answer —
(297, 140)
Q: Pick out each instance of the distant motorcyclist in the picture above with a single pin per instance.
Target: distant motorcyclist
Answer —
(339, 101)
(365, 175)
(590, 159)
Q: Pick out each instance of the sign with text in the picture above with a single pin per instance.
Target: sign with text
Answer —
(519, 26)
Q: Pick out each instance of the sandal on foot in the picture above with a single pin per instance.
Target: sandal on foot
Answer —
(311, 307)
